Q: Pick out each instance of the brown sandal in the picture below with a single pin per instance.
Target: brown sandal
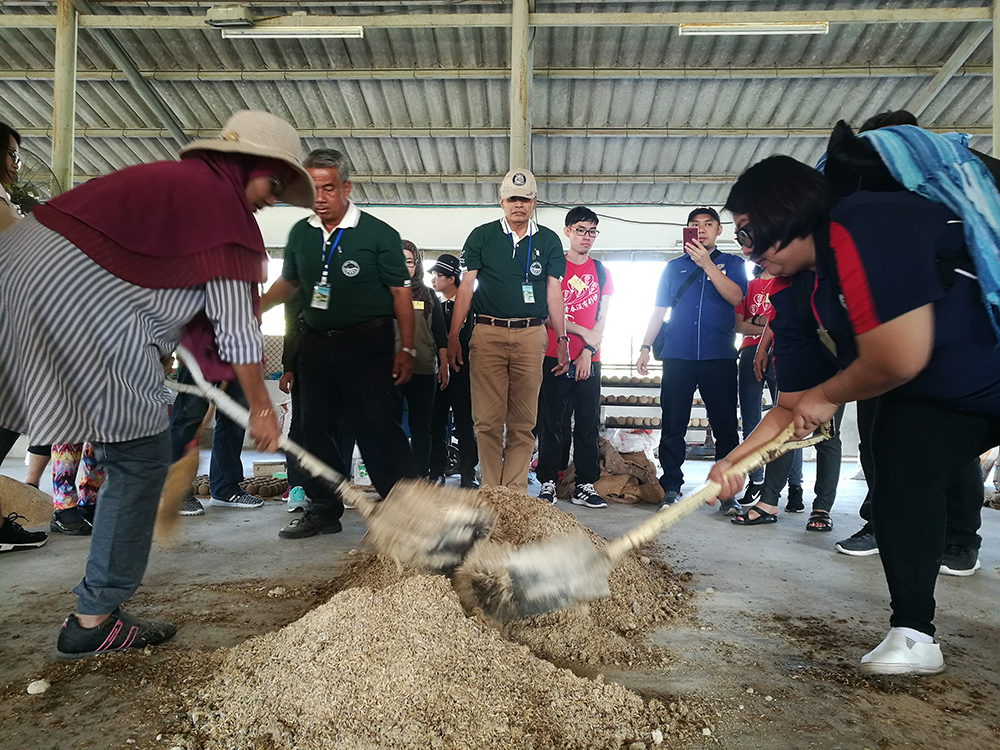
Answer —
(819, 520)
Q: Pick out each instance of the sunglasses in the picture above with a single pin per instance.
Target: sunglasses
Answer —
(744, 237)
(584, 232)
(277, 187)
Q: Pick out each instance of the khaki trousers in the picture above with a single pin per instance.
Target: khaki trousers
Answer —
(505, 368)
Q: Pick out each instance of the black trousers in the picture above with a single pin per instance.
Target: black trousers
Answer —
(715, 379)
(344, 440)
(964, 518)
(828, 456)
(9, 437)
(7, 440)
(561, 397)
(910, 513)
(347, 384)
(457, 399)
(419, 393)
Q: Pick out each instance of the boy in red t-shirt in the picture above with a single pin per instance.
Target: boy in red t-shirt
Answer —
(587, 290)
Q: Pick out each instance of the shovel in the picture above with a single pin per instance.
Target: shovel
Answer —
(427, 526)
(507, 583)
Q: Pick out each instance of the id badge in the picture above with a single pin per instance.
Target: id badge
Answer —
(529, 293)
(321, 297)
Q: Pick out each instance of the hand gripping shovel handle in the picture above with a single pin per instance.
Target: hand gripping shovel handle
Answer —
(306, 460)
(668, 516)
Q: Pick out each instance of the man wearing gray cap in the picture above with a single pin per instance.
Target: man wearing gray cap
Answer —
(518, 265)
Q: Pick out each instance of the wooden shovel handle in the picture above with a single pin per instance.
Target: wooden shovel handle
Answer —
(309, 463)
(668, 516)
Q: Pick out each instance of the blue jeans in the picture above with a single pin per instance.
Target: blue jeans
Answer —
(135, 471)
(226, 470)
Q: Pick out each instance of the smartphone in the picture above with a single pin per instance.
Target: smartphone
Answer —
(571, 373)
(690, 235)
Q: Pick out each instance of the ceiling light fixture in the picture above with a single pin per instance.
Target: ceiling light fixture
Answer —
(228, 16)
(295, 32)
(742, 29)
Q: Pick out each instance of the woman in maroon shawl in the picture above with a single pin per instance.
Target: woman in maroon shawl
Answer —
(95, 288)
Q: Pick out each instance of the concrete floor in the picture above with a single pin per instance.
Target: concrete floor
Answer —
(744, 578)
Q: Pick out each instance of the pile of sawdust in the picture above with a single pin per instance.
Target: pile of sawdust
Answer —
(393, 661)
(644, 592)
(403, 667)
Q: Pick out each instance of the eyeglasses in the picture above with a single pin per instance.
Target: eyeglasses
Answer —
(584, 232)
(277, 186)
(744, 237)
(411, 263)
(15, 155)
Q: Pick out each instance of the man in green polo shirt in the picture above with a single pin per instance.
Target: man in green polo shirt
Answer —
(518, 265)
(348, 269)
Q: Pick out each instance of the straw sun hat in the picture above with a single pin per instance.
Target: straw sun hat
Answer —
(262, 134)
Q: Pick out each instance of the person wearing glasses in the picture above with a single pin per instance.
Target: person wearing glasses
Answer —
(860, 313)
(348, 271)
(586, 291)
(10, 163)
(701, 289)
(10, 142)
(133, 258)
(518, 265)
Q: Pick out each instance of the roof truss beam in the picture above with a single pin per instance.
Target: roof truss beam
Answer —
(486, 20)
(143, 88)
(926, 95)
(417, 132)
(396, 74)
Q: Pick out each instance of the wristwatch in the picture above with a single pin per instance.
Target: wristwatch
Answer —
(408, 350)
(562, 338)
(646, 346)
(590, 349)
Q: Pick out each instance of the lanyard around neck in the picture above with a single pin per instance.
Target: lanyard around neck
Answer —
(333, 245)
(527, 259)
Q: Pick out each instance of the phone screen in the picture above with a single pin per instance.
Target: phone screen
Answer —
(690, 235)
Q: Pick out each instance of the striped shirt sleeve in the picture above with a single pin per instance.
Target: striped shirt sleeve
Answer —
(228, 305)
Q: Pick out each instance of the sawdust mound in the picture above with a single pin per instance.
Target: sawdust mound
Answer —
(644, 593)
(403, 667)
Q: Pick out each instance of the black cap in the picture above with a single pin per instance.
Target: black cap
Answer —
(704, 210)
(447, 265)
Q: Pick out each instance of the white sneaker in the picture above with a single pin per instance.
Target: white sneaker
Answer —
(900, 654)
(548, 493)
(587, 496)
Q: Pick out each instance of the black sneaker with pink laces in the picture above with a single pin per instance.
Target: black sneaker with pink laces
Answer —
(119, 632)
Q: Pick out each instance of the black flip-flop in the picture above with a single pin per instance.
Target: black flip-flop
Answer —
(743, 519)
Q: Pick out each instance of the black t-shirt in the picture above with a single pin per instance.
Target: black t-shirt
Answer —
(886, 247)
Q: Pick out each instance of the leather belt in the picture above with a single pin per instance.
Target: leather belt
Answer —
(489, 320)
(334, 333)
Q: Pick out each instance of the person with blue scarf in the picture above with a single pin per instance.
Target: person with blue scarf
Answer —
(879, 295)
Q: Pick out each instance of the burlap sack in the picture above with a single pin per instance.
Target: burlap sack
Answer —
(615, 488)
(33, 504)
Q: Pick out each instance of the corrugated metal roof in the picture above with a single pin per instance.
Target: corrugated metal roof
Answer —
(603, 97)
